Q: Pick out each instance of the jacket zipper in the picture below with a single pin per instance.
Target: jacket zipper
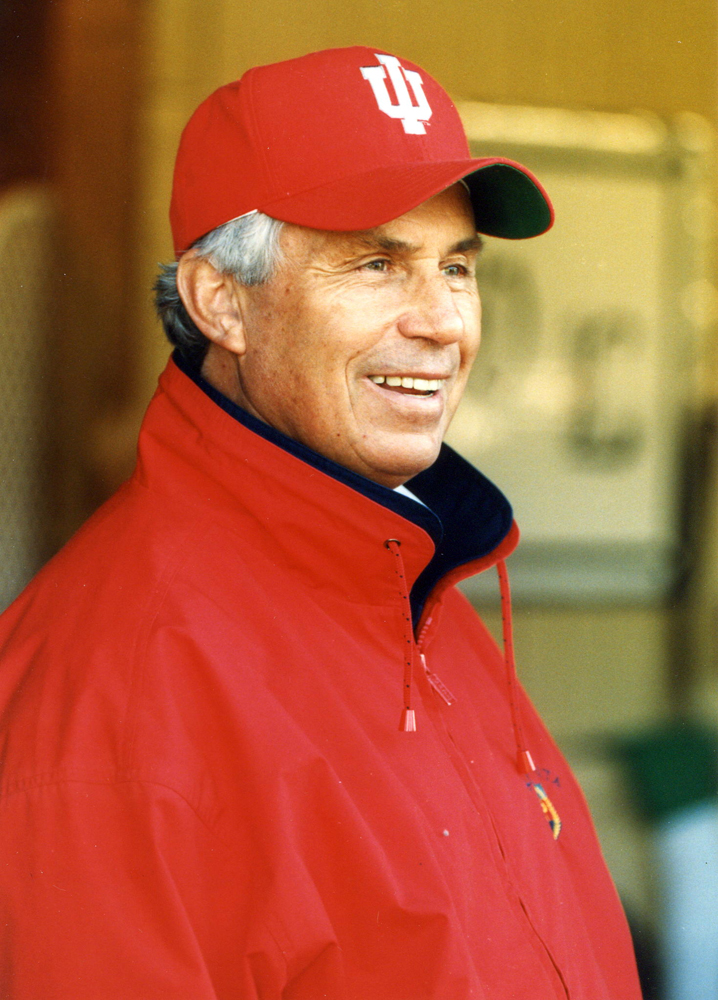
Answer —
(445, 694)
(434, 680)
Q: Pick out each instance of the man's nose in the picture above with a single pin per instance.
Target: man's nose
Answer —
(431, 311)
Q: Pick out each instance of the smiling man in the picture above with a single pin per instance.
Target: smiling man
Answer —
(256, 745)
(360, 345)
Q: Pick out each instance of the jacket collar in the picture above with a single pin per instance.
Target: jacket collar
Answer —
(466, 524)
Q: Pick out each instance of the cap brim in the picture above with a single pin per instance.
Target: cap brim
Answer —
(508, 200)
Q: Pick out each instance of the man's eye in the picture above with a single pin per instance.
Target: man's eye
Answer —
(456, 270)
(377, 265)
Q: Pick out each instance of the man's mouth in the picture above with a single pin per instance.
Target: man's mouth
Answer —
(407, 384)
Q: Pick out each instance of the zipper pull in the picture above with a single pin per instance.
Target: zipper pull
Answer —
(437, 683)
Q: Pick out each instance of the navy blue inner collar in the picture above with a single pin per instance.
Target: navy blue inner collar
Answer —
(466, 516)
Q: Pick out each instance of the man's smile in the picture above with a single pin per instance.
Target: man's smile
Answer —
(408, 384)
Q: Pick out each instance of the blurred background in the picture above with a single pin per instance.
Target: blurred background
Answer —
(593, 404)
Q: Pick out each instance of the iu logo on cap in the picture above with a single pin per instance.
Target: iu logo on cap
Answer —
(412, 115)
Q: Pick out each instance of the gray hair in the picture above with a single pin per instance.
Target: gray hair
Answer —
(246, 248)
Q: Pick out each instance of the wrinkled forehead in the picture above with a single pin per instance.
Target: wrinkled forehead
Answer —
(442, 225)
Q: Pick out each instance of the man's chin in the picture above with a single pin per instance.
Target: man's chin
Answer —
(395, 467)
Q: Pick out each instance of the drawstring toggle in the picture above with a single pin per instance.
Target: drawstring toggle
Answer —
(408, 721)
(526, 762)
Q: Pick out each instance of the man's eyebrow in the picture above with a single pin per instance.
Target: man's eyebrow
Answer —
(474, 244)
(378, 241)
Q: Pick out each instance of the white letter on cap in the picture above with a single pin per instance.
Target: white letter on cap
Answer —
(412, 115)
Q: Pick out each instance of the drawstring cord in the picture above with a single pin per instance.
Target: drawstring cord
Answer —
(524, 759)
(407, 723)
(408, 715)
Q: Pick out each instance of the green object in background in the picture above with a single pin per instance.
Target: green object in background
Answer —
(670, 768)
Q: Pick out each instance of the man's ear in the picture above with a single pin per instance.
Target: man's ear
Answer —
(212, 300)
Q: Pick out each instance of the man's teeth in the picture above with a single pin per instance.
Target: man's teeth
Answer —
(420, 384)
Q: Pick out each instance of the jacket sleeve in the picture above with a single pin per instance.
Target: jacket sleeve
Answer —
(118, 889)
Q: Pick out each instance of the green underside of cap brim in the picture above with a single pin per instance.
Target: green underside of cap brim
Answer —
(507, 203)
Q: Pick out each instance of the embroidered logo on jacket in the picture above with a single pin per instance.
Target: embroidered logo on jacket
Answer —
(554, 820)
(547, 806)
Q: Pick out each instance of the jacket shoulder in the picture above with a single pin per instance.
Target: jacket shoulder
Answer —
(100, 634)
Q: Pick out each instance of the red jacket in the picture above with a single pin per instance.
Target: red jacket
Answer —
(205, 789)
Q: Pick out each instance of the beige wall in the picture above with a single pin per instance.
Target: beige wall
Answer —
(607, 54)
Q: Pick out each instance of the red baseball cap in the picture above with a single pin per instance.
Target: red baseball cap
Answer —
(344, 139)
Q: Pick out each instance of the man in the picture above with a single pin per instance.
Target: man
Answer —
(256, 745)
